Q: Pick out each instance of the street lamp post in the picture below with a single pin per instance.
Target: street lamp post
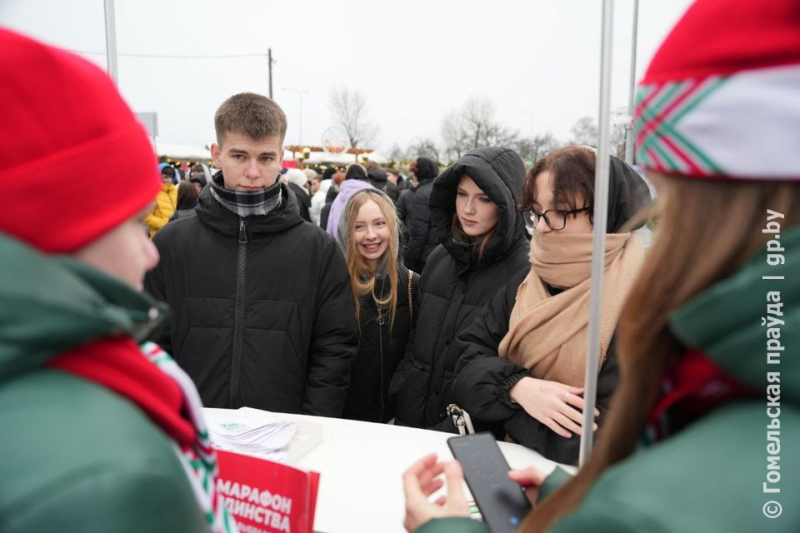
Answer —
(530, 114)
(111, 40)
(632, 87)
(300, 93)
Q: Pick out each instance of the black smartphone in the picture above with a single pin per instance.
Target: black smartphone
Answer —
(502, 502)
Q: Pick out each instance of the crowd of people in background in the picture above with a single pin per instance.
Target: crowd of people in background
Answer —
(469, 332)
(426, 271)
(357, 292)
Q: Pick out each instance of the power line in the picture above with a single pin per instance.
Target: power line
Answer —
(165, 56)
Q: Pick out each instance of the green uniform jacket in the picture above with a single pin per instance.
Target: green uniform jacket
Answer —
(76, 457)
(711, 476)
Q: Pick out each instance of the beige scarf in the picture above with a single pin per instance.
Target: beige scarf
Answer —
(548, 334)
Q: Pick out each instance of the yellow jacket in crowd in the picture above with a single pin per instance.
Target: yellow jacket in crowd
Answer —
(166, 201)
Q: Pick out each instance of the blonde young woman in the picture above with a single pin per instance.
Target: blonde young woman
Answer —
(383, 290)
(708, 340)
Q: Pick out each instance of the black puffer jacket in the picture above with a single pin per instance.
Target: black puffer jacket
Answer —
(380, 180)
(454, 286)
(484, 379)
(380, 350)
(403, 210)
(303, 200)
(404, 204)
(422, 238)
(263, 311)
(182, 213)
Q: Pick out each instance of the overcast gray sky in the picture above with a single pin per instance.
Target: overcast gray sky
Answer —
(537, 60)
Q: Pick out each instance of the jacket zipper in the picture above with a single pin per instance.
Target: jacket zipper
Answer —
(380, 344)
(238, 317)
(380, 349)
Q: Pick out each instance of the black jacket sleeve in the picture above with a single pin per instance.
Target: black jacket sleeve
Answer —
(399, 377)
(483, 379)
(403, 206)
(155, 286)
(334, 338)
(324, 214)
(526, 430)
(418, 226)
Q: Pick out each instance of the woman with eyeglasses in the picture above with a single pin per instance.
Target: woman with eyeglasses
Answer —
(521, 369)
(475, 216)
(709, 336)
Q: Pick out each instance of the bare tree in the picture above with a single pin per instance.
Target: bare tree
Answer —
(349, 108)
(475, 125)
(454, 135)
(618, 140)
(423, 148)
(537, 147)
(477, 113)
(584, 132)
(397, 153)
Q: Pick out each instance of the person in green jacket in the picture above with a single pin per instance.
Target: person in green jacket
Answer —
(98, 433)
(703, 432)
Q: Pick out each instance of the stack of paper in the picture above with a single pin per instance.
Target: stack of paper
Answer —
(268, 440)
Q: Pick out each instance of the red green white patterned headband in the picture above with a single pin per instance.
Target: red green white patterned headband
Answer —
(744, 125)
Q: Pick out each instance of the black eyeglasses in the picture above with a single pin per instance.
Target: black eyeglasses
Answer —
(556, 219)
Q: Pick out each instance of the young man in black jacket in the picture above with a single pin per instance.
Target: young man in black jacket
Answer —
(263, 311)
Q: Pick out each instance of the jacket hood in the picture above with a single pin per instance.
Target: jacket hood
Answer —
(356, 172)
(50, 304)
(175, 175)
(341, 228)
(378, 176)
(628, 195)
(499, 173)
(214, 215)
(743, 318)
(427, 169)
(324, 187)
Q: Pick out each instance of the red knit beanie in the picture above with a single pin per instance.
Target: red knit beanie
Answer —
(721, 98)
(66, 136)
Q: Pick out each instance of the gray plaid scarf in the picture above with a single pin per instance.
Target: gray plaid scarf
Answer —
(243, 203)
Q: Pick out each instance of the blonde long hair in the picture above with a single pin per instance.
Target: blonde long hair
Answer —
(707, 230)
(362, 277)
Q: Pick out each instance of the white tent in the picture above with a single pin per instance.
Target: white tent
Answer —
(317, 158)
(378, 158)
(180, 152)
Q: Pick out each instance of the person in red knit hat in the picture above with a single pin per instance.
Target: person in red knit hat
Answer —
(709, 340)
(101, 430)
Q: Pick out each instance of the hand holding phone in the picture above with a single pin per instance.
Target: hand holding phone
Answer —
(502, 502)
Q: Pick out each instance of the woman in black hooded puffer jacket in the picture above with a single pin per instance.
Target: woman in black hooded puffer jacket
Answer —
(459, 278)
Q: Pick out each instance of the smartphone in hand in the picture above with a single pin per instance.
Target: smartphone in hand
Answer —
(502, 502)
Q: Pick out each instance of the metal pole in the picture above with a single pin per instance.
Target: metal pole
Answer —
(111, 41)
(300, 93)
(269, 58)
(632, 87)
(530, 114)
(600, 215)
